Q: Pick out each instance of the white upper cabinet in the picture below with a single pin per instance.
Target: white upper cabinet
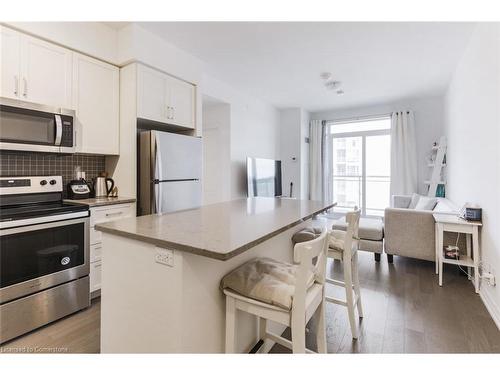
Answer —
(182, 103)
(34, 70)
(152, 94)
(10, 62)
(165, 99)
(46, 73)
(96, 101)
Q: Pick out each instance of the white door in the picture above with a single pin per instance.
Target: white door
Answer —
(10, 57)
(152, 100)
(96, 98)
(182, 103)
(46, 73)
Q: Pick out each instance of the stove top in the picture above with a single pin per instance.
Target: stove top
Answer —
(31, 197)
(38, 210)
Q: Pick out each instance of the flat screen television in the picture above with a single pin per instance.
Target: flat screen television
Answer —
(263, 177)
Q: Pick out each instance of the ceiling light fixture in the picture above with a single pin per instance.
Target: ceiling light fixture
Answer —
(332, 85)
(325, 75)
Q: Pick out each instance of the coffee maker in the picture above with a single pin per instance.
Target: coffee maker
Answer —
(79, 188)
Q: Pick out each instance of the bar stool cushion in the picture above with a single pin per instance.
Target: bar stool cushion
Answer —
(337, 240)
(266, 280)
(336, 244)
(306, 234)
(369, 228)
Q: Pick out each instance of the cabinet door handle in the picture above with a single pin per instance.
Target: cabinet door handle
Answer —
(169, 112)
(25, 82)
(16, 85)
(173, 113)
(114, 214)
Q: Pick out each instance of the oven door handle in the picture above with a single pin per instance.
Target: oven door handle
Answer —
(27, 224)
(58, 130)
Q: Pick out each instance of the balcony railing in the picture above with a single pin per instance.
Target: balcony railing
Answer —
(348, 192)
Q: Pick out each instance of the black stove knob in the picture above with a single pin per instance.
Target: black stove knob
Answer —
(43, 182)
(53, 182)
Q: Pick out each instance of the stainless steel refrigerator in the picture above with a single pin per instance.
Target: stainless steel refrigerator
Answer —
(170, 168)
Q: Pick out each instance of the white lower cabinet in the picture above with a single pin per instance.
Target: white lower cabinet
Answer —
(98, 215)
(95, 276)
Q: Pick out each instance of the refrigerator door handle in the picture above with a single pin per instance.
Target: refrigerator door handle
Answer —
(158, 175)
(157, 181)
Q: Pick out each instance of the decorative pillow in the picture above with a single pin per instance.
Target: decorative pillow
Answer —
(414, 200)
(426, 203)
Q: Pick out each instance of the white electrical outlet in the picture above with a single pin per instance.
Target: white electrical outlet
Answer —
(164, 256)
(490, 278)
(488, 275)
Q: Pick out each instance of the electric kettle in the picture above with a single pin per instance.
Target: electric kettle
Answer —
(102, 187)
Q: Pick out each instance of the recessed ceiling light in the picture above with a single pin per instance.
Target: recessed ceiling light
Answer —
(340, 92)
(332, 84)
(326, 75)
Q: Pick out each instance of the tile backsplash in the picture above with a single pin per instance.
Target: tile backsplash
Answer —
(17, 163)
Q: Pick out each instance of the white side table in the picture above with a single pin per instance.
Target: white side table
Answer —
(452, 223)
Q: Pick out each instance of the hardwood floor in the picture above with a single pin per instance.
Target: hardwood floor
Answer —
(77, 333)
(405, 312)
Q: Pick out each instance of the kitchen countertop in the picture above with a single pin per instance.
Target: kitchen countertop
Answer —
(220, 231)
(96, 202)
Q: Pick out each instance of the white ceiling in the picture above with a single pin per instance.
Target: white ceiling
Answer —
(281, 62)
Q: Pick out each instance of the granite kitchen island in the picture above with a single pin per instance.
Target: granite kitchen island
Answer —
(161, 273)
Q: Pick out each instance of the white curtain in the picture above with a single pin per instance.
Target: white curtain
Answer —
(320, 177)
(403, 154)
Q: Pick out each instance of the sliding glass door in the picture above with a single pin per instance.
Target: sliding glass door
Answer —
(361, 165)
(347, 171)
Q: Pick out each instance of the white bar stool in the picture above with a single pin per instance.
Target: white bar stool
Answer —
(343, 246)
(286, 293)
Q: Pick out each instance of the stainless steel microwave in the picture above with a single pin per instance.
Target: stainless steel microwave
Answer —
(34, 127)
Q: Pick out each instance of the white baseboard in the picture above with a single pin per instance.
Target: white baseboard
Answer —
(491, 306)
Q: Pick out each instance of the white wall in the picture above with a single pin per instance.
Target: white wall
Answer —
(294, 151)
(254, 129)
(216, 152)
(429, 121)
(473, 131)
(290, 150)
(137, 44)
(304, 152)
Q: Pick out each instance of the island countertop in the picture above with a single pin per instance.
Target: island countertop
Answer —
(103, 201)
(220, 231)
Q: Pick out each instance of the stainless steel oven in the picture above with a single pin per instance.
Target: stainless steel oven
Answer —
(44, 254)
(38, 256)
(33, 127)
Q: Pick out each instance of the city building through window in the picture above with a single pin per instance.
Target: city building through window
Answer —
(361, 164)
